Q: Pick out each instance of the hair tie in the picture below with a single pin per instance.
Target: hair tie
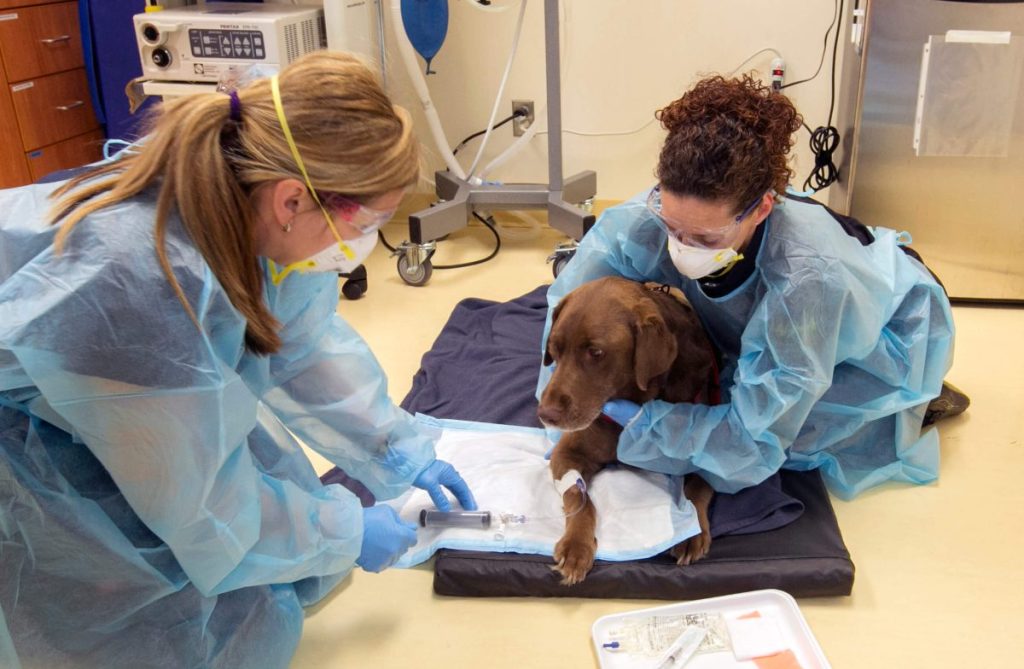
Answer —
(236, 107)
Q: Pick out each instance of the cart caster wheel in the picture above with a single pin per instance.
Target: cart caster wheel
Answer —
(560, 262)
(355, 285)
(420, 277)
(354, 289)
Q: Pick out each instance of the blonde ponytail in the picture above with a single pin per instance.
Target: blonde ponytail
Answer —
(208, 166)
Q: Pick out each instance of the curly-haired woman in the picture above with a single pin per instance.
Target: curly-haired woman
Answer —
(833, 336)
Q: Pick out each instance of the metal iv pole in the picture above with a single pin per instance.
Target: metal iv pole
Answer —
(457, 196)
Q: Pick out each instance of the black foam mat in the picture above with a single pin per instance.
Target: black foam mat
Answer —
(806, 558)
(780, 534)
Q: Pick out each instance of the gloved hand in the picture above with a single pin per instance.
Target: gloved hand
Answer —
(440, 473)
(386, 537)
(621, 411)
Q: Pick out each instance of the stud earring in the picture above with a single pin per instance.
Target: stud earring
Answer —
(287, 227)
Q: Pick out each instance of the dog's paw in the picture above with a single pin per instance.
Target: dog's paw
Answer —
(573, 559)
(693, 549)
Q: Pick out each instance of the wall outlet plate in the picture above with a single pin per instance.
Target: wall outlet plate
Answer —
(521, 123)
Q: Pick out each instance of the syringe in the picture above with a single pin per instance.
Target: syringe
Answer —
(480, 520)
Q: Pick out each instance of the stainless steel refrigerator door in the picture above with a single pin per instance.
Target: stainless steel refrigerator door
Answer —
(965, 213)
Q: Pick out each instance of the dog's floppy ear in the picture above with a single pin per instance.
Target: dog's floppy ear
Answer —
(654, 346)
(548, 360)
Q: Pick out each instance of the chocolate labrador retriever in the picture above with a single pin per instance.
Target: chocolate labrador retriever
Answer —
(617, 339)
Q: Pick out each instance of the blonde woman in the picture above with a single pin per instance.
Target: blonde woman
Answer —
(167, 322)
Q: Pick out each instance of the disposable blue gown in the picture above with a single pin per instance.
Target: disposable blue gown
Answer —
(154, 509)
(831, 351)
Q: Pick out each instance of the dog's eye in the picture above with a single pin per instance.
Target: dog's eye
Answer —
(595, 353)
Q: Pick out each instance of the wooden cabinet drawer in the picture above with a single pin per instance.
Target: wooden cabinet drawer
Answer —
(53, 108)
(40, 40)
(13, 170)
(73, 152)
(11, 4)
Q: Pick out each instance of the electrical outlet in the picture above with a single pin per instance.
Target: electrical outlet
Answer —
(521, 123)
(778, 74)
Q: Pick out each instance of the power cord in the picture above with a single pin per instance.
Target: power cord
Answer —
(825, 139)
(485, 221)
(824, 47)
(497, 238)
(518, 113)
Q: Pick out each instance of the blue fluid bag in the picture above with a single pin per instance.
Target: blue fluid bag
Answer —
(426, 24)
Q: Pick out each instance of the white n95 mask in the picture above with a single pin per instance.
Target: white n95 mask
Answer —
(697, 263)
(342, 257)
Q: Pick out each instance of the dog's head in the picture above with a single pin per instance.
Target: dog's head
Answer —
(608, 340)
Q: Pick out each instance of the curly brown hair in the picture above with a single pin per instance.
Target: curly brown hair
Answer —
(728, 139)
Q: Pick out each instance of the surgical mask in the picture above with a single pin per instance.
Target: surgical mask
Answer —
(697, 263)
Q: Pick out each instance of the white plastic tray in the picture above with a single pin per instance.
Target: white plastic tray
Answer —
(770, 603)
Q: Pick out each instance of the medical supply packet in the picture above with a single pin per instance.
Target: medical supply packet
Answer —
(632, 640)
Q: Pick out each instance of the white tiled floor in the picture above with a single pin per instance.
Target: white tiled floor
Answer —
(939, 578)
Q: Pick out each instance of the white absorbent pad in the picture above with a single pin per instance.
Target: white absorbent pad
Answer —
(639, 514)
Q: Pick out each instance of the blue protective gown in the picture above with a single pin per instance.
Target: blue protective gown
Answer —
(154, 509)
(831, 351)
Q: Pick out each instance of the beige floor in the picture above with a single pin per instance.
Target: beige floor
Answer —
(939, 578)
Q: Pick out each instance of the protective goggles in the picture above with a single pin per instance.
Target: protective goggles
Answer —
(706, 238)
(359, 216)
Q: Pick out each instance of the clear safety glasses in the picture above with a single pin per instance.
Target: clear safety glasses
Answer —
(706, 238)
(359, 216)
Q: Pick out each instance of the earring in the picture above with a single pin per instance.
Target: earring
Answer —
(287, 227)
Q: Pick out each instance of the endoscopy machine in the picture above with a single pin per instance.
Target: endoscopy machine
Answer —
(200, 44)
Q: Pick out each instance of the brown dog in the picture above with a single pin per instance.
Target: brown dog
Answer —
(618, 339)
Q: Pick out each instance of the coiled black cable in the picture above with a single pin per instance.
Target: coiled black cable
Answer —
(825, 139)
(824, 142)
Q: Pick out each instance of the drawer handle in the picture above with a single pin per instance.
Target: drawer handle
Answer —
(71, 105)
(54, 40)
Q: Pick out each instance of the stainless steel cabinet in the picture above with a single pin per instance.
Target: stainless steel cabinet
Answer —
(932, 108)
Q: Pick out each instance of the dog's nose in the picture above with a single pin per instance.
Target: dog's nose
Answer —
(549, 414)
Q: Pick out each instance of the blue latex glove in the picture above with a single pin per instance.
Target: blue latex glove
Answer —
(621, 411)
(386, 537)
(439, 475)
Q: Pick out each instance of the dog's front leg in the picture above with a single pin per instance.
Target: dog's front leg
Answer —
(574, 553)
(696, 547)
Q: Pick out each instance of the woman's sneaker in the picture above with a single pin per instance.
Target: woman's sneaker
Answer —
(950, 402)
